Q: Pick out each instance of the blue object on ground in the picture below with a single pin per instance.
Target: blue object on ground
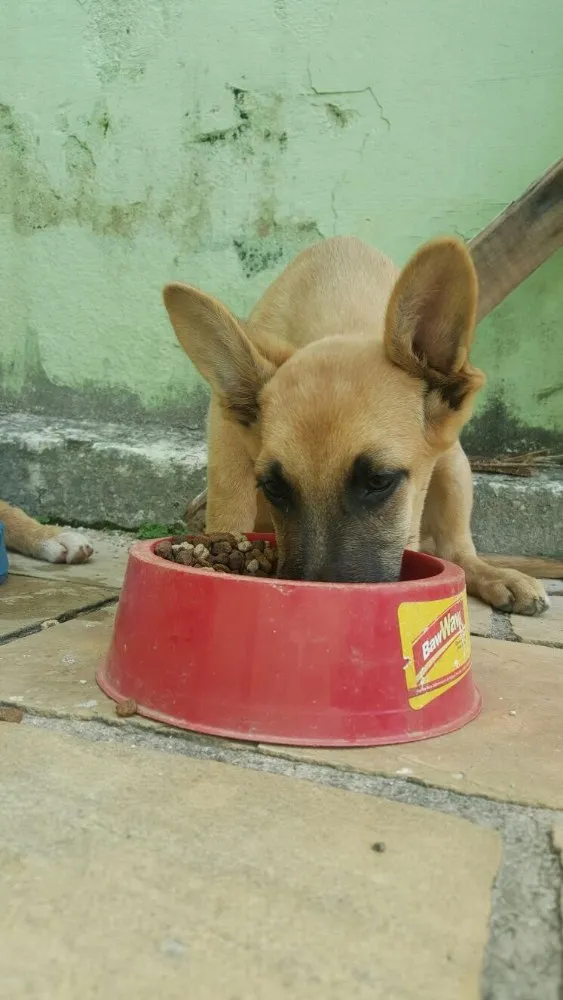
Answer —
(3, 556)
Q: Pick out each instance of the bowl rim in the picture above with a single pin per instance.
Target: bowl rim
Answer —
(446, 574)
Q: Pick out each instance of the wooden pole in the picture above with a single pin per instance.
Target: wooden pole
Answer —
(520, 239)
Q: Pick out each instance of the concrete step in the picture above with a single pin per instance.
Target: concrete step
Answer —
(97, 474)
(514, 516)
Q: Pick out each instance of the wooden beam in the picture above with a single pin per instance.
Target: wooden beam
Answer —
(196, 506)
(520, 239)
(545, 569)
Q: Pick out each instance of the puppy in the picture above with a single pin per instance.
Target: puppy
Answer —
(56, 545)
(336, 410)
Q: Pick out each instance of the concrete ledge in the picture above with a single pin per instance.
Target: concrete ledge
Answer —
(520, 517)
(92, 473)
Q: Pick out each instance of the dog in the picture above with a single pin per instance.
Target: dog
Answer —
(336, 411)
(56, 545)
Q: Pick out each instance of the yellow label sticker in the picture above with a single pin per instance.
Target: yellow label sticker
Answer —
(436, 646)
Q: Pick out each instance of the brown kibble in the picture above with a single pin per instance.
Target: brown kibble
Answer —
(221, 552)
(9, 713)
(184, 558)
(164, 549)
(264, 564)
(236, 561)
(196, 539)
(221, 548)
(126, 708)
(217, 537)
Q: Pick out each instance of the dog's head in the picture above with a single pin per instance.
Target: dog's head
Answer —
(345, 431)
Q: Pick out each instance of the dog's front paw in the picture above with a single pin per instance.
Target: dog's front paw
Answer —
(66, 547)
(510, 591)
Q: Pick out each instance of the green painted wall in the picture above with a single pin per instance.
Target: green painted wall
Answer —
(142, 141)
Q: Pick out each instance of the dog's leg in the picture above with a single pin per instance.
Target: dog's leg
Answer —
(56, 545)
(446, 519)
(231, 485)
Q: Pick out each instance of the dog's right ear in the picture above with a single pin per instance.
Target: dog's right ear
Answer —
(430, 321)
(220, 350)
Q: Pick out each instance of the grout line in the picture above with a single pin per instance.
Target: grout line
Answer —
(271, 759)
(558, 858)
(65, 616)
(502, 627)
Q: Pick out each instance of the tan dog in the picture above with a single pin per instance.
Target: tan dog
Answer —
(56, 545)
(336, 411)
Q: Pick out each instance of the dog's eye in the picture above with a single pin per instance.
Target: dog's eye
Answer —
(273, 491)
(275, 487)
(380, 482)
(372, 485)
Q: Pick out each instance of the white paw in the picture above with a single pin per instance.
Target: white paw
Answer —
(67, 547)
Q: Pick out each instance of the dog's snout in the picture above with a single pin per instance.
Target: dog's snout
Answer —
(308, 562)
(361, 571)
(322, 574)
(339, 557)
(294, 567)
(319, 555)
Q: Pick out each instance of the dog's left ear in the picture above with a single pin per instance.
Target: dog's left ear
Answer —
(430, 320)
(221, 351)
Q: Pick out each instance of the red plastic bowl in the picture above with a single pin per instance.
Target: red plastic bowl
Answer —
(310, 664)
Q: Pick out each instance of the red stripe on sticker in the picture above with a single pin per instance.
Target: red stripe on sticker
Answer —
(437, 637)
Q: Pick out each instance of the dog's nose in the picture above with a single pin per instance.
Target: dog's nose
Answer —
(316, 556)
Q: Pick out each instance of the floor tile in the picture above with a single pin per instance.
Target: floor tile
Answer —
(135, 874)
(546, 629)
(26, 601)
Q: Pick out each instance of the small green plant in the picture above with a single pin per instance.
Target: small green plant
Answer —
(146, 531)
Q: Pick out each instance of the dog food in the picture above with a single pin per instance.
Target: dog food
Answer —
(223, 553)
(9, 713)
(126, 708)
